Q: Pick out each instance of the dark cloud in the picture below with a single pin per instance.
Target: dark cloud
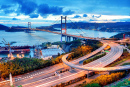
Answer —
(5, 6)
(6, 9)
(27, 7)
(69, 12)
(15, 19)
(33, 15)
(44, 9)
(19, 1)
(93, 16)
(85, 15)
(77, 16)
(98, 16)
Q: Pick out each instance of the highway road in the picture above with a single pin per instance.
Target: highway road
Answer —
(104, 61)
(115, 52)
(49, 71)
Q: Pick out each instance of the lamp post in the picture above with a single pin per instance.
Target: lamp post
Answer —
(11, 81)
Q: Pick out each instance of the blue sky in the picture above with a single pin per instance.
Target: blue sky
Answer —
(46, 12)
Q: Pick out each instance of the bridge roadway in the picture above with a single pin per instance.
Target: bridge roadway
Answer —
(104, 61)
(115, 53)
(32, 77)
(64, 34)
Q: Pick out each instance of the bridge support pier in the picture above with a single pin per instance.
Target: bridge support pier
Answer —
(68, 38)
(70, 68)
(74, 38)
(88, 74)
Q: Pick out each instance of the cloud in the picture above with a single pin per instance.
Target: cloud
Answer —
(8, 11)
(77, 16)
(27, 7)
(15, 19)
(5, 6)
(98, 16)
(85, 15)
(34, 15)
(44, 10)
(93, 16)
(69, 12)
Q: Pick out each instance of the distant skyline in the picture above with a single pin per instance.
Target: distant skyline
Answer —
(46, 12)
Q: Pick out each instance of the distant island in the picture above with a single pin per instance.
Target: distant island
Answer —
(106, 27)
(51, 28)
(17, 28)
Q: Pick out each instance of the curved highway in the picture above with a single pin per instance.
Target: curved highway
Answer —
(29, 78)
(97, 65)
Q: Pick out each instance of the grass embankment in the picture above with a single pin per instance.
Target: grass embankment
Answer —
(126, 64)
(124, 83)
(125, 56)
(94, 58)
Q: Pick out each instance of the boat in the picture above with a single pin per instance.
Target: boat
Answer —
(15, 51)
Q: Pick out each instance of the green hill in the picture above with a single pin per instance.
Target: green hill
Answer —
(2, 27)
(120, 35)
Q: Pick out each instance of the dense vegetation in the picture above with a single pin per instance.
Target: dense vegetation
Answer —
(24, 65)
(107, 79)
(120, 35)
(20, 66)
(93, 43)
(94, 58)
(74, 43)
(80, 51)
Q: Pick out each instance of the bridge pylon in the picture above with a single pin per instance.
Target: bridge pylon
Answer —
(63, 26)
(29, 25)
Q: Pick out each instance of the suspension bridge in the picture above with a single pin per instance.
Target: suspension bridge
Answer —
(63, 30)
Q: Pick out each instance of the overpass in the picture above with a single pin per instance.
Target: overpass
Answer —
(115, 53)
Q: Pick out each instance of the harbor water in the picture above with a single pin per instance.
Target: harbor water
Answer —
(39, 37)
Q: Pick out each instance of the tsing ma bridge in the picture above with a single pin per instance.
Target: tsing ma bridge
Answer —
(63, 32)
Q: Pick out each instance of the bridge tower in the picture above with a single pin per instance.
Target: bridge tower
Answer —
(63, 26)
(29, 25)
